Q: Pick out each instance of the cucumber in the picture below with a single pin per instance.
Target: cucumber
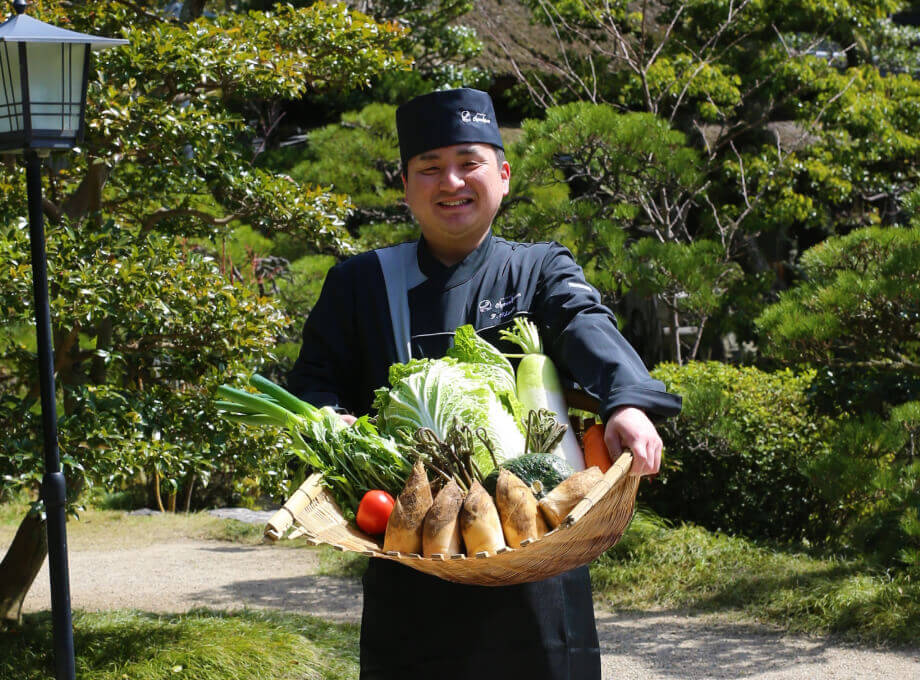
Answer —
(546, 468)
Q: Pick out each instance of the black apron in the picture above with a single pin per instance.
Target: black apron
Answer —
(420, 627)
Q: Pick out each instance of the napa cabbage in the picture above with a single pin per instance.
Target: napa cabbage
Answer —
(491, 366)
(436, 393)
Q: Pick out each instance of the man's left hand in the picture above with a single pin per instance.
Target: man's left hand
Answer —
(629, 427)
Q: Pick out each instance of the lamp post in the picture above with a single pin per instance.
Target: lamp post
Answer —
(43, 75)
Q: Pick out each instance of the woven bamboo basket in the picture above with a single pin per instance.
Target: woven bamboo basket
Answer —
(595, 524)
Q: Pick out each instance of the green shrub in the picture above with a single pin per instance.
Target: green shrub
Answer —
(660, 566)
(870, 477)
(735, 457)
(855, 316)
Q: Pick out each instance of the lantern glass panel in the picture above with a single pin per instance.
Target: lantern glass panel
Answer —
(10, 89)
(55, 85)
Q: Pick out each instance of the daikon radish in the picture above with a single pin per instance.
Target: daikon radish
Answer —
(517, 508)
(559, 502)
(404, 530)
(441, 532)
(479, 522)
(538, 386)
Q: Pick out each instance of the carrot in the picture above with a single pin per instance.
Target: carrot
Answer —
(596, 448)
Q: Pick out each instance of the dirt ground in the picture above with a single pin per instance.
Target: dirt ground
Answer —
(177, 575)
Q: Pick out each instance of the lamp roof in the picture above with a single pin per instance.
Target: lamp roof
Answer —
(23, 28)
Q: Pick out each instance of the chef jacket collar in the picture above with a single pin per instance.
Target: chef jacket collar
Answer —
(456, 274)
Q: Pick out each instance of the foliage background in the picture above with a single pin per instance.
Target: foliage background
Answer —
(738, 179)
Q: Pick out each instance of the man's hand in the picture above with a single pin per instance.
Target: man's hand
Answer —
(629, 427)
(348, 418)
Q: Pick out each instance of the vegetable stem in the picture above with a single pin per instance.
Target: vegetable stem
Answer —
(281, 395)
(525, 335)
(484, 438)
(255, 403)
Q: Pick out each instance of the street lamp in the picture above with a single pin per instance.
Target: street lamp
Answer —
(43, 74)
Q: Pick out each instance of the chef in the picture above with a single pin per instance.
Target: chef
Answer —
(403, 302)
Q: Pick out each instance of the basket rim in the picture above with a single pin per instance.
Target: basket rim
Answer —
(596, 523)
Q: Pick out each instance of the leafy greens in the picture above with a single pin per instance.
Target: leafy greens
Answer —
(353, 459)
(478, 391)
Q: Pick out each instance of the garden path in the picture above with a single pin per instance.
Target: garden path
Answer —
(183, 574)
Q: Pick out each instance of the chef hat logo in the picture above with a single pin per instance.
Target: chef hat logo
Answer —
(469, 117)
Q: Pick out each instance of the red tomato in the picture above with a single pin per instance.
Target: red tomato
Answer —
(374, 511)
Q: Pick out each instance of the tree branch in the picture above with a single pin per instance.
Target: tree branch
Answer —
(191, 10)
(143, 11)
(163, 214)
(903, 366)
(51, 210)
(87, 197)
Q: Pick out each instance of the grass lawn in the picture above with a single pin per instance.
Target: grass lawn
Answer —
(118, 530)
(203, 644)
(687, 568)
(199, 645)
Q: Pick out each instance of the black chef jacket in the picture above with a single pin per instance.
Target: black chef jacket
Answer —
(416, 626)
(348, 343)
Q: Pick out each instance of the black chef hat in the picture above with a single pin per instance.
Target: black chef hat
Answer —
(445, 118)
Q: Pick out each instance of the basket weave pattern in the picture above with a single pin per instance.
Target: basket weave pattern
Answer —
(593, 526)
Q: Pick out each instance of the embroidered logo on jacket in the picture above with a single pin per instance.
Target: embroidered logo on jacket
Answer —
(504, 308)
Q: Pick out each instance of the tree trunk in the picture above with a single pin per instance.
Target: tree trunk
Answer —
(675, 331)
(87, 197)
(98, 370)
(63, 360)
(156, 490)
(188, 492)
(191, 10)
(21, 564)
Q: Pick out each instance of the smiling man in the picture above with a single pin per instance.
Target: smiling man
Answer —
(405, 302)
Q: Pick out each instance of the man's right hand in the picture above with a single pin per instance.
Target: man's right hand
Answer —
(348, 418)
(629, 427)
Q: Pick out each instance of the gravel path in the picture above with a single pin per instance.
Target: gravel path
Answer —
(180, 575)
(664, 646)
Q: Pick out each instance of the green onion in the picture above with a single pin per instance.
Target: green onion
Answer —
(353, 459)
